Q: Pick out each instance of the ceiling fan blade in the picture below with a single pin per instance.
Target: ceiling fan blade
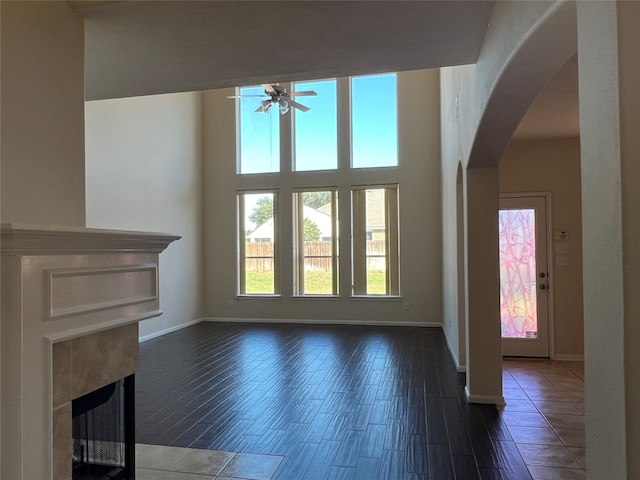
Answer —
(308, 93)
(299, 106)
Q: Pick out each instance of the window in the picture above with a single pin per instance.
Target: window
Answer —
(374, 121)
(316, 245)
(316, 131)
(375, 261)
(258, 240)
(288, 160)
(259, 142)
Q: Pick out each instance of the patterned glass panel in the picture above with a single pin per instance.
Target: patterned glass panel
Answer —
(518, 287)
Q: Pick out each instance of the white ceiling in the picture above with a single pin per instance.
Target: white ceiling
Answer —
(149, 47)
(555, 112)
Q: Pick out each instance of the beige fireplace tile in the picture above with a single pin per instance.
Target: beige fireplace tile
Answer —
(62, 442)
(102, 358)
(61, 353)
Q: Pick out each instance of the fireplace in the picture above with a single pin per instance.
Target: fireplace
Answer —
(103, 423)
(71, 303)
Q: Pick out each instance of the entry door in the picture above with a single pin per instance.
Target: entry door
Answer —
(524, 276)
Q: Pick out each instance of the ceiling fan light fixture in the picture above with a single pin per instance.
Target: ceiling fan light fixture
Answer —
(277, 94)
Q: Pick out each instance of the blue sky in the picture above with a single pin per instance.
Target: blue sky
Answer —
(374, 127)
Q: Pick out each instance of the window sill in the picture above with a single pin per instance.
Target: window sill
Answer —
(376, 298)
(256, 296)
(315, 297)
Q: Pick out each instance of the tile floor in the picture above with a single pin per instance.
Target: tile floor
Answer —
(157, 462)
(545, 416)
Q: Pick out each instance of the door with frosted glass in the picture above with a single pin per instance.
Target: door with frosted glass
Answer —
(524, 276)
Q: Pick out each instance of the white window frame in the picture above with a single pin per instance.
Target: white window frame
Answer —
(298, 235)
(242, 254)
(359, 235)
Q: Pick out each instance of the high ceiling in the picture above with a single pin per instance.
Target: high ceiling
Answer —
(149, 47)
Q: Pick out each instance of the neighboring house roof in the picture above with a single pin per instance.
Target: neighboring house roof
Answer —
(322, 220)
(375, 214)
(263, 231)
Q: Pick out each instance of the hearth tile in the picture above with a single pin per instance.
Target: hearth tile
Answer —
(158, 457)
(252, 466)
(61, 372)
(203, 462)
(150, 474)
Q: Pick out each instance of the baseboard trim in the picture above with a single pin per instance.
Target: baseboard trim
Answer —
(175, 328)
(459, 368)
(490, 399)
(561, 357)
(306, 321)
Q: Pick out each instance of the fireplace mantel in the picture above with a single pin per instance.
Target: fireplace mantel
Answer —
(60, 286)
(31, 240)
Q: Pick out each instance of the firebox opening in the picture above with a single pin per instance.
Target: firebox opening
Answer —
(103, 433)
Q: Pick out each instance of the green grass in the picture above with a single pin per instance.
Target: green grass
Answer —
(259, 282)
(316, 283)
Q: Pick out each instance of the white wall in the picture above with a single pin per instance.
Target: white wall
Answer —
(419, 179)
(42, 148)
(143, 172)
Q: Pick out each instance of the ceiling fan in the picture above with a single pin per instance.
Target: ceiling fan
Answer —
(279, 95)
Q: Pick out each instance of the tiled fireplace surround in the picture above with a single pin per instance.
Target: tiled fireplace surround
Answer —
(71, 303)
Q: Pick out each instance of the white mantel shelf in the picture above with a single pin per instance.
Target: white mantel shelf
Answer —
(31, 240)
(59, 285)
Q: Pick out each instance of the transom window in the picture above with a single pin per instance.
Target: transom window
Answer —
(374, 121)
(316, 131)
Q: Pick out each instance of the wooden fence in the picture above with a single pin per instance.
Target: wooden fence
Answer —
(259, 256)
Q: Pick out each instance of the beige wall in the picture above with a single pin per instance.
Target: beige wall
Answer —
(42, 148)
(420, 245)
(554, 166)
(144, 173)
(471, 94)
(609, 72)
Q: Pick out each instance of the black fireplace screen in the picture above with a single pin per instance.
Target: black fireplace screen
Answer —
(103, 433)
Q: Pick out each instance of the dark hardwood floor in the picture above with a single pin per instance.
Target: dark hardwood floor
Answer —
(338, 402)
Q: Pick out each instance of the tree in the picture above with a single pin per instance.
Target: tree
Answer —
(316, 199)
(311, 231)
(262, 212)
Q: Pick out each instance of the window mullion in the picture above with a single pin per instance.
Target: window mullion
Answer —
(242, 248)
(391, 214)
(334, 241)
(359, 252)
(300, 241)
(276, 244)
